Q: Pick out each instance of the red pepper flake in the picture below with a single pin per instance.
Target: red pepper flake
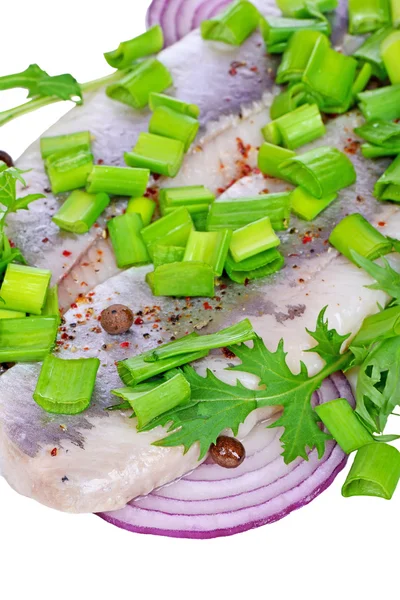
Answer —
(235, 65)
(100, 252)
(246, 282)
(228, 353)
(256, 171)
(45, 240)
(91, 294)
(125, 344)
(307, 239)
(100, 161)
(138, 321)
(54, 452)
(244, 149)
(254, 69)
(156, 176)
(66, 253)
(64, 336)
(381, 223)
(85, 264)
(352, 147)
(223, 286)
(78, 315)
(155, 326)
(188, 301)
(84, 284)
(74, 305)
(86, 348)
(207, 306)
(11, 243)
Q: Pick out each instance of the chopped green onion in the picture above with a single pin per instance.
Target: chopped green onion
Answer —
(371, 151)
(71, 399)
(11, 314)
(65, 143)
(388, 185)
(69, 170)
(258, 266)
(80, 211)
(144, 207)
(209, 247)
(288, 100)
(182, 279)
(135, 88)
(234, 213)
(127, 241)
(356, 233)
(252, 239)
(303, 8)
(306, 206)
(395, 12)
(321, 172)
(156, 100)
(51, 307)
(200, 219)
(234, 25)
(25, 288)
(360, 83)
(330, 76)
(171, 124)
(118, 181)
(385, 324)
(382, 103)
(150, 42)
(172, 230)
(163, 255)
(380, 133)
(27, 339)
(271, 157)
(159, 154)
(277, 31)
(375, 472)
(189, 197)
(344, 425)
(390, 51)
(297, 128)
(235, 334)
(370, 52)
(368, 15)
(297, 54)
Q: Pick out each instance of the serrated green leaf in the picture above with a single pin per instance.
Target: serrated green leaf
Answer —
(386, 439)
(329, 341)
(64, 86)
(27, 79)
(23, 203)
(387, 279)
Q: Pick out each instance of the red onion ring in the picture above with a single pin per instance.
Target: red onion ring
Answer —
(212, 502)
(207, 10)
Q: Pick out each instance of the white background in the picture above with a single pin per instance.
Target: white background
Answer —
(334, 548)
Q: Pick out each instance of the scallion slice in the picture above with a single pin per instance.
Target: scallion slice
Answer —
(297, 54)
(370, 52)
(344, 425)
(11, 314)
(381, 103)
(27, 339)
(69, 170)
(182, 279)
(297, 128)
(144, 207)
(156, 100)
(395, 12)
(150, 42)
(380, 133)
(306, 206)
(294, 96)
(172, 230)
(25, 288)
(234, 25)
(270, 159)
(371, 151)
(368, 15)
(191, 197)
(355, 233)
(388, 185)
(261, 265)
(159, 154)
(80, 211)
(209, 247)
(135, 88)
(321, 172)
(127, 241)
(363, 76)
(375, 472)
(253, 239)
(168, 123)
(65, 143)
(70, 399)
(163, 255)
(390, 51)
(303, 8)
(118, 181)
(277, 31)
(385, 324)
(51, 307)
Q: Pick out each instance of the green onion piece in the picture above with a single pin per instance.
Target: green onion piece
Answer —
(395, 12)
(172, 230)
(321, 172)
(25, 288)
(235, 334)
(306, 206)
(144, 207)
(375, 472)
(200, 220)
(371, 151)
(277, 31)
(303, 8)
(330, 76)
(80, 211)
(388, 185)
(118, 181)
(150, 42)
(382, 103)
(163, 255)
(135, 88)
(258, 266)
(370, 52)
(356, 233)
(368, 15)
(209, 247)
(127, 241)
(189, 197)
(272, 134)
(182, 279)
(234, 25)
(344, 425)
(171, 124)
(27, 339)
(360, 83)
(271, 157)
(390, 51)
(385, 324)
(156, 100)
(128, 393)
(234, 213)
(51, 307)
(65, 143)
(71, 399)
(299, 127)
(289, 100)
(380, 133)
(135, 370)
(68, 171)
(159, 154)
(11, 314)
(252, 239)
(297, 54)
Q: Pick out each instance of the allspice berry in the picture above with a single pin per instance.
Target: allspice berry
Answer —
(227, 452)
(6, 158)
(116, 319)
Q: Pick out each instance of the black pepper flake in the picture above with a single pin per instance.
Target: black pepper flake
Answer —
(72, 324)
(64, 479)
(146, 336)
(47, 190)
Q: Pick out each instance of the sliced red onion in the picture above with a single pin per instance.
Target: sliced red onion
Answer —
(207, 10)
(212, 502)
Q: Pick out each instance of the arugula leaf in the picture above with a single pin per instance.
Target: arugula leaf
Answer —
(387, 279)
(27, 79)
(329, 341)
(23, 203)
(64, 86)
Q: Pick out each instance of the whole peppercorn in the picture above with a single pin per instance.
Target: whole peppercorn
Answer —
(6, 158)
(227, 452)
(116, 319)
